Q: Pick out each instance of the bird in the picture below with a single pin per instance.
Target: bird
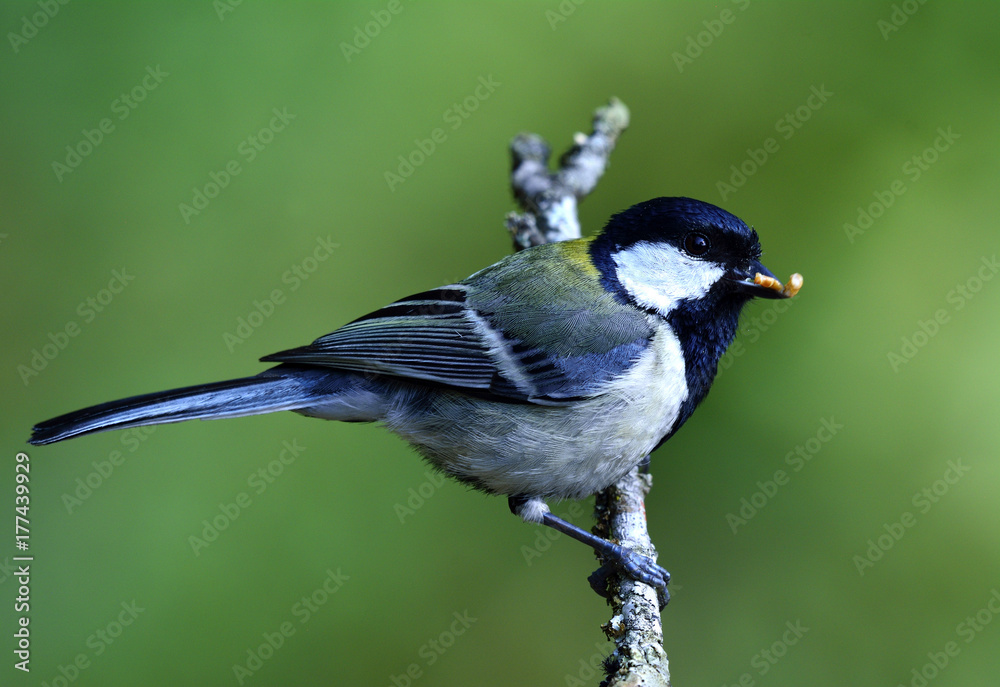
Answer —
(548, 375)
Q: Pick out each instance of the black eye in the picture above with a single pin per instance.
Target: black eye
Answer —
(696, 244)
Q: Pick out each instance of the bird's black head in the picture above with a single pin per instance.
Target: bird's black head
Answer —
(666, 251)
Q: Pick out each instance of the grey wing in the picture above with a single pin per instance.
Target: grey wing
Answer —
(435, 336)
(426, 336)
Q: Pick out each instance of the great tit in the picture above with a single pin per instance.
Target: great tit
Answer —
(549, 374)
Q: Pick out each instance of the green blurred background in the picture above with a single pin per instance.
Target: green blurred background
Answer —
(708, 84)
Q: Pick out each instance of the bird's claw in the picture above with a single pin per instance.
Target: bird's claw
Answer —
(638, 567)
(599, 579)
(643, 569)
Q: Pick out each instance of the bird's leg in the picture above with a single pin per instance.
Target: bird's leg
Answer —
(635, 565)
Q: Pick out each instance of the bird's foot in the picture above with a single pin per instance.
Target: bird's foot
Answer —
(638, 567)
(643, 569)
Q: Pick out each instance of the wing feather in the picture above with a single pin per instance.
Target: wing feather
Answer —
(536, 327)
(426, 336)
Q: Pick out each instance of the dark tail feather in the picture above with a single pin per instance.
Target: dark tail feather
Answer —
(269, 392)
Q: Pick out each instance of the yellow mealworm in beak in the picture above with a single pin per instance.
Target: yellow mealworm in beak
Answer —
(767, 282)
(793, 285)
(787, 290)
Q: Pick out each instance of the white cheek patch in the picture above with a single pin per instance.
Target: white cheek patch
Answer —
(659, 276)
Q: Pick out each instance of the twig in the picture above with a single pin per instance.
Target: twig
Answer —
(549, 198)
(549, 201)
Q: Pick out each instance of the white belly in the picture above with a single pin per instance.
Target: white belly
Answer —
(565, 452)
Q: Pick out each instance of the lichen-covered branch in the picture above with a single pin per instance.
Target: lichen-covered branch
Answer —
(549, 203)
(549, 199)
(635, 626)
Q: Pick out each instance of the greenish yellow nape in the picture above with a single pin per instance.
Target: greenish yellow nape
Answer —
(577, 251)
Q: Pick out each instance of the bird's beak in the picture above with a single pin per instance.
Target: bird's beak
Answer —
(759, 282)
